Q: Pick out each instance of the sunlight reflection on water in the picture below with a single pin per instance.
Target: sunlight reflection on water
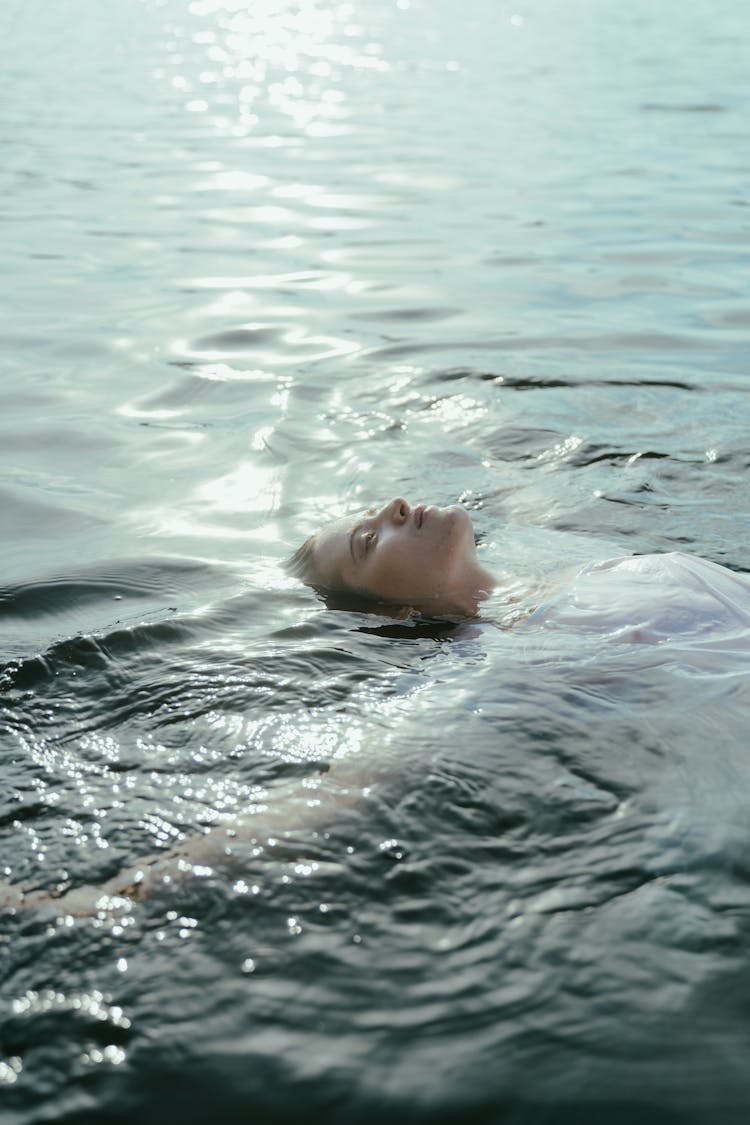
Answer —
(266, 265)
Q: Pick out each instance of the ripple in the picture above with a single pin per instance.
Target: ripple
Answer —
(240, 339)
(683, 107)
(407, 314)
(545, 383)
(269, 344)
(605, 344)
(729, 318)
(302, 280)
(121, 580)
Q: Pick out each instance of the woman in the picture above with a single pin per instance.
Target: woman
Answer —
(399, 559)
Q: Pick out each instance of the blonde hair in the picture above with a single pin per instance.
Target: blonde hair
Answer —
(302, 563)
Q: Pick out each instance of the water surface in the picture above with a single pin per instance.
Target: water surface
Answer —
(266, 264)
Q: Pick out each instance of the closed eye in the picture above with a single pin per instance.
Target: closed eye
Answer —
(355, 539)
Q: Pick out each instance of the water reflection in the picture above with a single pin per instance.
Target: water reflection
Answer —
(276, 61)
(267, 263)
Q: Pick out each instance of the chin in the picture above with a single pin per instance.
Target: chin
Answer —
(461, 521)
(455, 514)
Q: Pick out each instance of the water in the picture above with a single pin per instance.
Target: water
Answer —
(265, 264)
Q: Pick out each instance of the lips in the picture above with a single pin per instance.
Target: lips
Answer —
(419, 515)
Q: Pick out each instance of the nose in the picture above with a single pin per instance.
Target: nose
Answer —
(398, 510)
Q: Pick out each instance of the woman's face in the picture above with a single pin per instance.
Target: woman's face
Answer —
(424, 557)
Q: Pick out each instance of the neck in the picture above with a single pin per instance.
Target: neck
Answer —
(483, 583)
(475, 588)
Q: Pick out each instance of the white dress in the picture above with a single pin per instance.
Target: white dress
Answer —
(654, 599)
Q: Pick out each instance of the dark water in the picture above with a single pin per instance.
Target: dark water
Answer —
(264, 264)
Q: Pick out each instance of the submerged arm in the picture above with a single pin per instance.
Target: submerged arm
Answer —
(301, 806)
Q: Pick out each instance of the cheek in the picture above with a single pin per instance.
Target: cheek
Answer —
(423, 566)
(417, 565)
(399, 565)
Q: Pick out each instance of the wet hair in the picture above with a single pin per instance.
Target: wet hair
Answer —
(302, 563)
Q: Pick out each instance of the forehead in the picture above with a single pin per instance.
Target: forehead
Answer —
(333, 559)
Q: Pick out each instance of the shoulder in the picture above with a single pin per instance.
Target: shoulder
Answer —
(664, 595)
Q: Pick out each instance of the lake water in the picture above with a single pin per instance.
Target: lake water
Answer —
(264, 264)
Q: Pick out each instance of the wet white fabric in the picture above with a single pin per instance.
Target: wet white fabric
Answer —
(654, 599)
